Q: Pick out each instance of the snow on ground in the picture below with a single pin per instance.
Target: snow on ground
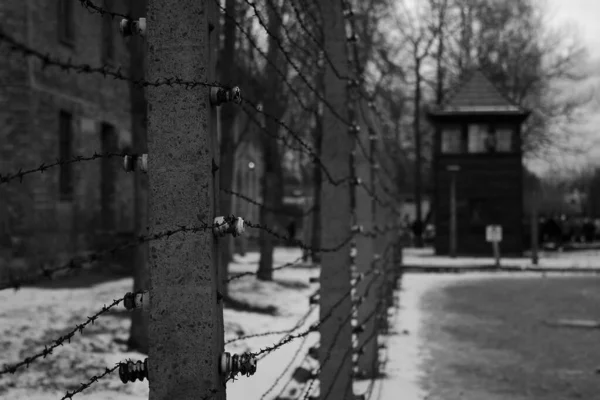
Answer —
(405, 351)
(572, 259)
(32, 318)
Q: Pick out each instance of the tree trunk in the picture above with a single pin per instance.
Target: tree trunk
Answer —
(227, 148)
(272, 192)
(138, 333)
(267, 218)
(272, 180)
(318, 182)
(417, 133)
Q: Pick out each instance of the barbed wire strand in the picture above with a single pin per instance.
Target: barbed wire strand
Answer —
(314, 327)
(78, 262)
(48, 61)
(273, 210)
(253, 273)
(90, 382)
(6, 178)
(328, 354)
(94, 9)
(12, 368)
(287, 57)
(285, 370)
(309, 150)
(264, 55)
(288, 331)
(298, 242)
(298, 325)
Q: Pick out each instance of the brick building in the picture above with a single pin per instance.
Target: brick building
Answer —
(47, 114)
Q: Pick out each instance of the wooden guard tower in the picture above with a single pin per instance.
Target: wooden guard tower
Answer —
(478, 170)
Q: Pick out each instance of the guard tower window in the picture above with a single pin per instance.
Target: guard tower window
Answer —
(480, 138)
(451, 140)
(504, 139)
(490, 139)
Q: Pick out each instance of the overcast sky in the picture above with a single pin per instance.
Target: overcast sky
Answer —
(582, 16)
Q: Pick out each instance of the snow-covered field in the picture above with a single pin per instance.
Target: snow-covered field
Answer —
(572, 259)
(33, 318)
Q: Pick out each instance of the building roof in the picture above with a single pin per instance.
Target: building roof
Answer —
(478, 95)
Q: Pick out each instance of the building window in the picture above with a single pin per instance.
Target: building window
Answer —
(490, 139)
(108, 41)
(108, 177)
(480, 138)
(504, 139)
(65, 149)
(66, 22)
(451, 140)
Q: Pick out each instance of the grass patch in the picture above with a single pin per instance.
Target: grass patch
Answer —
(491, 334)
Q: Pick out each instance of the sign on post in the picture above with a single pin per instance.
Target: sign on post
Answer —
(493, 234)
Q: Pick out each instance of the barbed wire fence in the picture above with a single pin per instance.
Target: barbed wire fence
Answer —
(368, 272)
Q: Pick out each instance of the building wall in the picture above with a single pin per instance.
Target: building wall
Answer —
(53, 227)
(15, 135)
(492, 182)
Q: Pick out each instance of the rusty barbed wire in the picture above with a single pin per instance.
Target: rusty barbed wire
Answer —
(299, 243)
(317, 41)
(285, 370)
(94, 9)
(91, 381)
(299, 324)
(257, 335)
(286, 30)
(287, 57)
(307, 149)
(348, 354)
(248, 36)
(6, 178)
(390, 205)
(262, 205)
(252, 273)
(78, 262)
(327, 356)
(49, 61)
(287, 332)
(11, 369)
(315, 326)
(347, 319)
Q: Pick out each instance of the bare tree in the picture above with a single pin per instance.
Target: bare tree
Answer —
(420, 38)
(528, 62)
(274, 105)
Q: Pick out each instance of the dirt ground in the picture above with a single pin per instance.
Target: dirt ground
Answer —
(489, 337)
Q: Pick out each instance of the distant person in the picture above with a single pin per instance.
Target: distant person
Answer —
(291, 230)
(542, 237)
(553, 231)
(588, 230)
(417, 230)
